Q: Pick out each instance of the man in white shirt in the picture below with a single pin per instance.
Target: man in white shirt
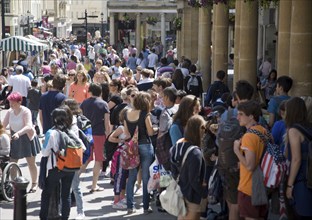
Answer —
(152, 60)
(20, 83)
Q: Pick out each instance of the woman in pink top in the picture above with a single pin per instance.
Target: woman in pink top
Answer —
(24, 144)
(78, 90)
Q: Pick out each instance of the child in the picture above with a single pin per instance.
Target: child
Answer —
(33, 97)
(120, 175)
(4, 142)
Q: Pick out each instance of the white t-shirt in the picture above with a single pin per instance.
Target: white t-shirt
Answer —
(20, 83)
(152, 60)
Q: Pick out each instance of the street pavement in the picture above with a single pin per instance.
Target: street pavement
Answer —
(96, 205)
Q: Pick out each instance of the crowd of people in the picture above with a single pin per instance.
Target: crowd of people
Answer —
(155, 96)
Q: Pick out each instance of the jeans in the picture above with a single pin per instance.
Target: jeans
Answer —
(34, 115)
(77, 191)
(54, 177)
(146, 152)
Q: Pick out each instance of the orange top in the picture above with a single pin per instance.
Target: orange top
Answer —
(250, 142)
(79, 92)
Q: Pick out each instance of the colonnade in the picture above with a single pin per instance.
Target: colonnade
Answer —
(294, 43)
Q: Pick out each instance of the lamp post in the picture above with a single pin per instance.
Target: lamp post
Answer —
(28, 24)
(86, 22)
(102, 25)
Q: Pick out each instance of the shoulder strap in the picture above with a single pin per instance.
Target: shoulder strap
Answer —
(303, 130)
(189, 149)
(230, 113)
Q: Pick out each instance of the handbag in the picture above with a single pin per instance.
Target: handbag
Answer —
(172, 198)
(130, 157)
(165, 177)
(258, 194)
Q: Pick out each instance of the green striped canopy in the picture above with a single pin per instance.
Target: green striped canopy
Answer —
(19, 43)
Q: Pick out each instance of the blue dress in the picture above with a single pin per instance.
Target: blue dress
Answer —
(301, 193)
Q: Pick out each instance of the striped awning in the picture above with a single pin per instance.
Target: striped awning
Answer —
(19, 43)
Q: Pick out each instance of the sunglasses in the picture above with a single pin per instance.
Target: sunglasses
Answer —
(71, 74)
(133, 95)
(112, 85)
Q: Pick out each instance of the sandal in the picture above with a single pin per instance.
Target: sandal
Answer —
(98, 189)
(33, 188)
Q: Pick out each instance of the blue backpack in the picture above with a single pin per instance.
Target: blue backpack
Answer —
(85, 134)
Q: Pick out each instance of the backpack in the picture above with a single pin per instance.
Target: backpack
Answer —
(272, 163)
(69, 156)
(219, 89)
(85, 135)
(228, 132)
(308, 157)
(215, 190)
(163, 145)
(194, 85)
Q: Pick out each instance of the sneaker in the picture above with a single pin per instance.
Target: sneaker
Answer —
(80, 216)
(148, 211)
(124, 201)
(119, 205)
(130, 211)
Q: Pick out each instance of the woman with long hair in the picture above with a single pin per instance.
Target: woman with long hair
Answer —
(78, 90)
(297, 151)
(192, 173)
(139, 117)
(62, 119)
(189, 106)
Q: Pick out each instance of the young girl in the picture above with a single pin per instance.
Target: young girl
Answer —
(120, 175)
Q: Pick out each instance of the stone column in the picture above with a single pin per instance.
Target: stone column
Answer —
(204, 43)
(283, 38)
(163, 32)
(300, 49)
(138, 33)
(112, 28)
(248, 42)
(236, 42)
(221, 33)
(189, 33)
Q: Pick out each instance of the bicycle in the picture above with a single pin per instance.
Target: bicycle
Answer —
(8, 172)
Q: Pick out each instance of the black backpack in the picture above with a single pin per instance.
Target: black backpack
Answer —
(218, 90)
(308, 157)
(228, 132)
(163, 145)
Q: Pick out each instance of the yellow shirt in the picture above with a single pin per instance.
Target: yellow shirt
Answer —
(251, 142)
